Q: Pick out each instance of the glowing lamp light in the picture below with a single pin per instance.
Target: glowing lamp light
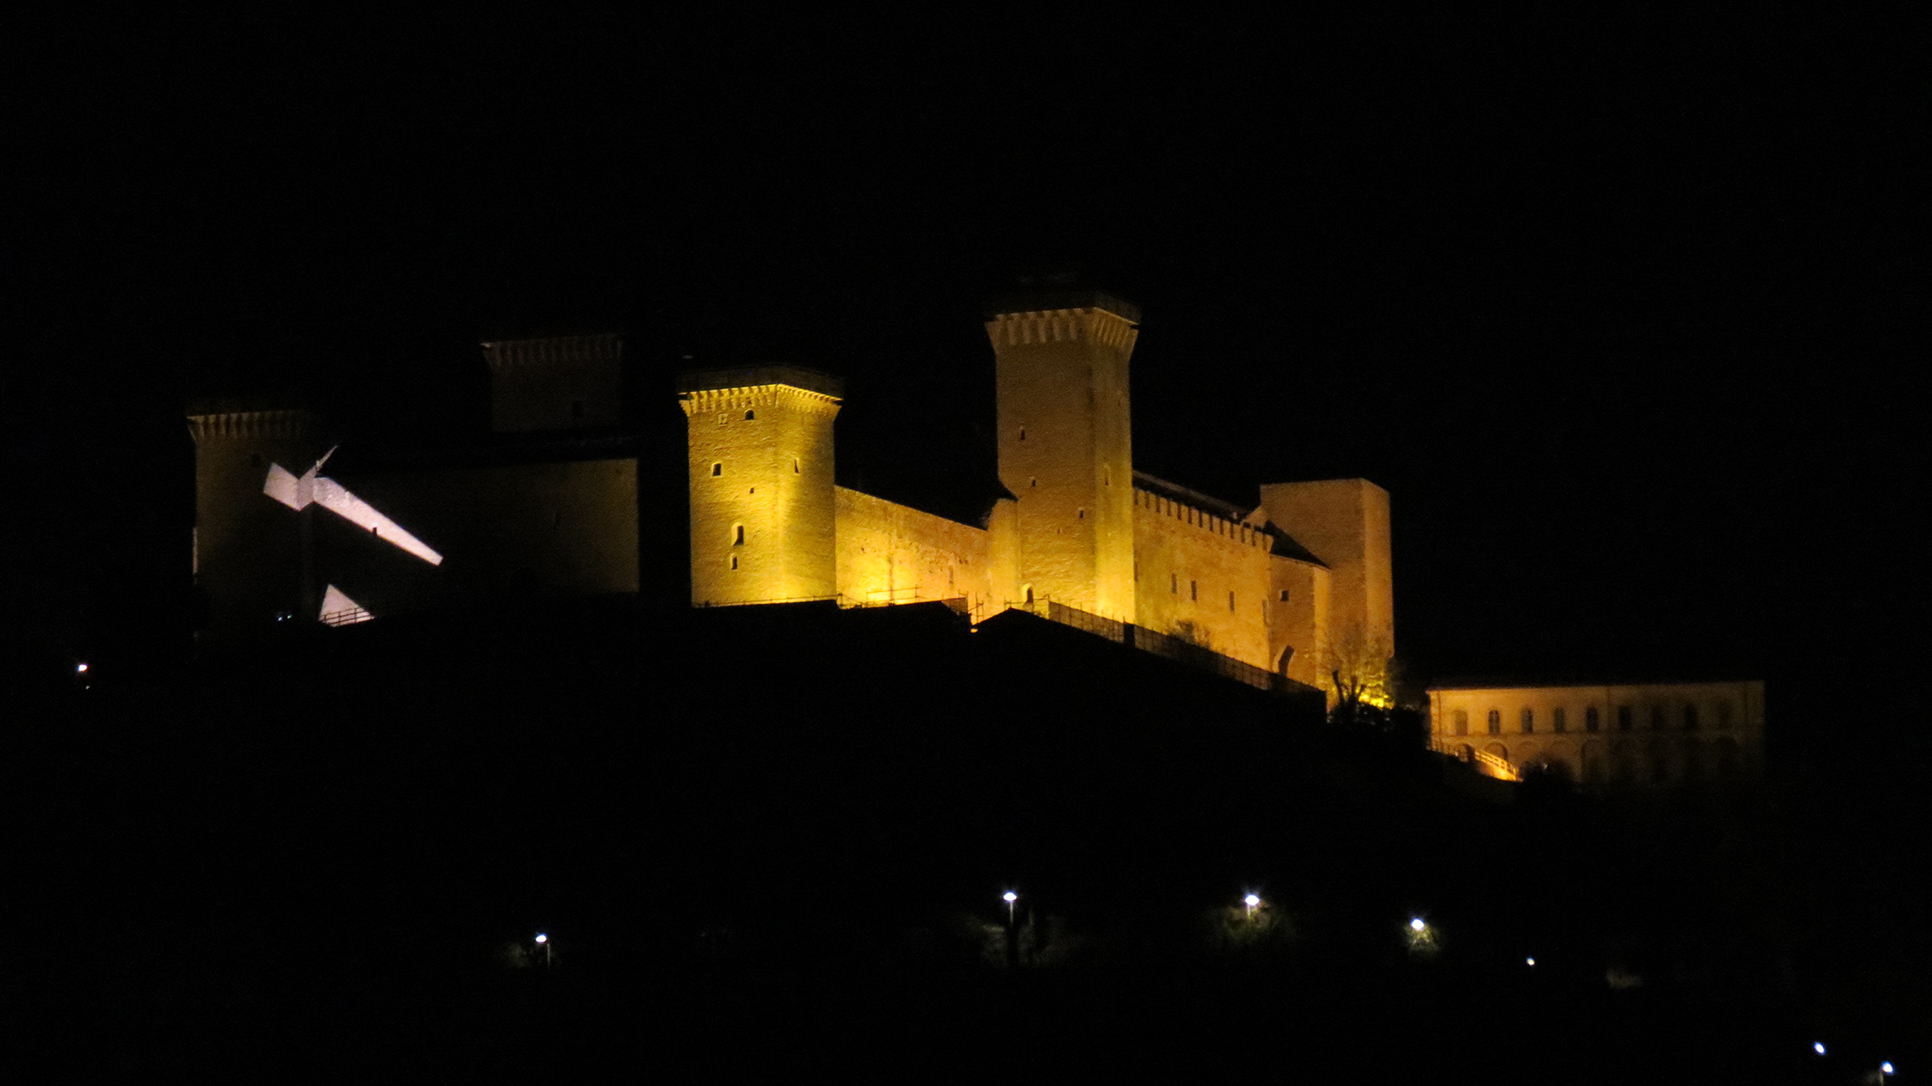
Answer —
(1818, 1047)
(80, 669)
(1531, 962)
(1009, 897)
(1416, 924)
(542, 938)
(1252, 900)
(1886, 1068)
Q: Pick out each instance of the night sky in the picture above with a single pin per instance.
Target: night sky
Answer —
(1614, 305)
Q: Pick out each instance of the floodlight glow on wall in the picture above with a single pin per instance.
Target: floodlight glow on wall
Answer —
(299, 492)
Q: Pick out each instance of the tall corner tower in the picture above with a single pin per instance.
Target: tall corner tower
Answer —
(1066, 444)
(763, 515)
(1345, 522)
(563, 383)
(251, 558)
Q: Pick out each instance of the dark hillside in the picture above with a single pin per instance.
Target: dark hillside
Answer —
(767, 836)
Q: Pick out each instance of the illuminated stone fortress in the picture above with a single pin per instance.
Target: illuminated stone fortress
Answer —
(1282, 586)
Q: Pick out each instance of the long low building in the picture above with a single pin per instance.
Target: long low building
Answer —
(1632, 735)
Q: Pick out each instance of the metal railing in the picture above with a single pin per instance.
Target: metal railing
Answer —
(1499, 767)
(347, 617)
(1154, 643)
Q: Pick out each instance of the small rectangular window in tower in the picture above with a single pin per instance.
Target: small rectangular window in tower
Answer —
(1230, 601)
(1284, 595)
(734, 561)
(717, 468)
(1194, 591)
(1022, 433)
(794, 465)
(750, 416)
(1174, 583)
(738, 535)
(1082, 515)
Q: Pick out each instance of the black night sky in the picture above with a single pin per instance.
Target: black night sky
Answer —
(1614, 303)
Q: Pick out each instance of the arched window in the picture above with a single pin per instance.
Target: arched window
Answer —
(1590, 719)
(750, 415)
(738, 535)
(717, 469)
(1462, 722)
(1558, 719)
(1495, 722)
(1529, 720)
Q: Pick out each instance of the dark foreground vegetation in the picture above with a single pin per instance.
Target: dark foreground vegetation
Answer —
(763, 841)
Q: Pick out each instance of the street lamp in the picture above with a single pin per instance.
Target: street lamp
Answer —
(1009, 897)
(1884, 1069)
(1416, 925)
(544, 942)
(1253, 902)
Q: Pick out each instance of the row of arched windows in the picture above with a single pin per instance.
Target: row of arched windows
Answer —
(1559, 721)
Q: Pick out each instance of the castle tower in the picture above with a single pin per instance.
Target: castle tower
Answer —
(763, 518)
(1066, 444)
(566, 383)
(251, 555)
(1345, 522)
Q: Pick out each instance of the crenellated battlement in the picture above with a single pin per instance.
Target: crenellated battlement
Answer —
(1233, 531)
(564, 351)
(1063, 326)
(254, 424)
(752, 397)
